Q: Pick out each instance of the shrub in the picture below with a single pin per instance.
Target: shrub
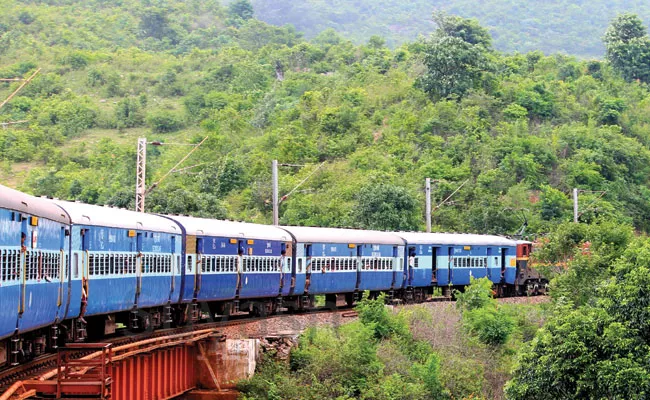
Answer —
(491, 326)
(164, 122)
(477, 295)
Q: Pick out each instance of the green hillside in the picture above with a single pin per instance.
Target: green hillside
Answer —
(555, 26)
(521, 130)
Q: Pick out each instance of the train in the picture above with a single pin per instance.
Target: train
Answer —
(70, 271)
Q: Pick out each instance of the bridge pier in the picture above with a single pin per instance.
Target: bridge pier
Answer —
(193, 365)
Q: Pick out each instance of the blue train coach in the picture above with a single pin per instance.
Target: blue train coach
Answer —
(234, 266)
(450, 259)
(345, 262)
(122, 263)
(33, 274)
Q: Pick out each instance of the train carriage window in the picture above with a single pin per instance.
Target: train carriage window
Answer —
(91, 264)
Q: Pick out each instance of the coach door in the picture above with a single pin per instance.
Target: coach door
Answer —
(174, 266)
(138, 266)
(23, 259)
(359, 261)
(434, 264)
(504, 253)
(308, 253)
(450, 272)
(199, 265)
(62, 268)
(488, 265)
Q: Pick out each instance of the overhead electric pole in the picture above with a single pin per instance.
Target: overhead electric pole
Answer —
(140, 185)
(140, 175)
(277, 200)
(427, 190)
(276, 203)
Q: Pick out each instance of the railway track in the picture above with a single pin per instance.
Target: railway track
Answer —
(47, 362)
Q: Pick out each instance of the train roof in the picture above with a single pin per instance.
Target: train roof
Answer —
(455, 239)
(14, 200)
(88, 214)
(306, 234)
(233, 229)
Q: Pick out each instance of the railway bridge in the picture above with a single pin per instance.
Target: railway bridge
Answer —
(164, 367)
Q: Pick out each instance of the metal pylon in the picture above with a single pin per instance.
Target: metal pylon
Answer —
(140, 178)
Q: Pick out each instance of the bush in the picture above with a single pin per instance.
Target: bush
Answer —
(164, 122)
(477, 295)
(373, 312)
(491, 326)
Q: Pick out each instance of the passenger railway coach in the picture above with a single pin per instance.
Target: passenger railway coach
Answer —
(69, 270)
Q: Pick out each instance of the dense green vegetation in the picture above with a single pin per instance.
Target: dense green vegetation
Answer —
(555, 26)
(522, 130)
(595, 343)
(388, 355)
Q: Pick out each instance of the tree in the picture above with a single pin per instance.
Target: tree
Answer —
(600, 350)
(386, 207)
(628, 47)
(455, 56)
(241, 9)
